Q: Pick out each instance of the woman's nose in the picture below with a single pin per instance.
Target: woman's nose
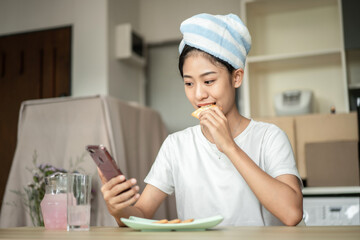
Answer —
(200, 92)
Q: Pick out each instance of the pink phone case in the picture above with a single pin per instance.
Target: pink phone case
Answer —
(104, 161)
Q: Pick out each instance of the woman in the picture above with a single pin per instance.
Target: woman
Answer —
(229, 165)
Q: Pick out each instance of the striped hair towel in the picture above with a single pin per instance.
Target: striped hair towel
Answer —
(222, 36)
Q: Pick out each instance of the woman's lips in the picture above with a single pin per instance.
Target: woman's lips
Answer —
(205, 104)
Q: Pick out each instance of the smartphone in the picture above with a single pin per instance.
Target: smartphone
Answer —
(104, 161)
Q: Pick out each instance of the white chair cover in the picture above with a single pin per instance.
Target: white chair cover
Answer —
(59, 129)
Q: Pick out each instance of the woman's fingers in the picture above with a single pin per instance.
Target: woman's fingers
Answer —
(213, 118)
(112, 182)
(118, 199)
(125, 195)
(128, 202)
(216, 124)
(219, 113)
(209, 117)
(119, 193)
(115, 189)
(123, 189)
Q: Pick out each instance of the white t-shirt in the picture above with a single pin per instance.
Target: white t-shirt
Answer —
(205, 181)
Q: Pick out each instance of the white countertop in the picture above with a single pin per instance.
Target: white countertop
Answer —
(331, 190)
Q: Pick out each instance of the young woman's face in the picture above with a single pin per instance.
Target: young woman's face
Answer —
(208, 83)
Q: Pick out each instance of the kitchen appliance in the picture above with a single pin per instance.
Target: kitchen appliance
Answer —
(331, 206)
(294, 102)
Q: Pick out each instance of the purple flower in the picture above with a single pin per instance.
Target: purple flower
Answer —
(41, 166)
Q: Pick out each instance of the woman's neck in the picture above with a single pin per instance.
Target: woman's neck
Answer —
(237, 123)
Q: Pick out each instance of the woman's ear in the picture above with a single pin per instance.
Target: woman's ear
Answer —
(238, 75)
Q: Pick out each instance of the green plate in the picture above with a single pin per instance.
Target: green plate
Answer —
(144, 224)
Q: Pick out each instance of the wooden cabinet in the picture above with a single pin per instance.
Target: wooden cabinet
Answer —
(295, 45)
(33, 65)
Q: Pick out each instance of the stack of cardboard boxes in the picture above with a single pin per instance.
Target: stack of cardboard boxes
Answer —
(325, 147)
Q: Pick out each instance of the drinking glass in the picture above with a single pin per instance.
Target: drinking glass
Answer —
(78, 202)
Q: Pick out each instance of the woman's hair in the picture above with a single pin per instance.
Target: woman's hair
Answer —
(217, 61)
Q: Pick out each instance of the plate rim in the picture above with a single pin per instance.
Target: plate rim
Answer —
(199, 224)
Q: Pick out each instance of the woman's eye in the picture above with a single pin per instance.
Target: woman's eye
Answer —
(188, 84)
(209, 81)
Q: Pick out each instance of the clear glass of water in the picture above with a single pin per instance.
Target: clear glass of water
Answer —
(78, 202)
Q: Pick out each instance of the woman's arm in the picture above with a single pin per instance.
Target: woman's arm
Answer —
(281, 195)
(150, 200)
(121, 204)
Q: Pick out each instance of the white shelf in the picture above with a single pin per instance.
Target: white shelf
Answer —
(295, 45)
(287, 56)
(286, 26)
(296, 60)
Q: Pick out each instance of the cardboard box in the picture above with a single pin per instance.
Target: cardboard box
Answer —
(317, 128)
(334, 163)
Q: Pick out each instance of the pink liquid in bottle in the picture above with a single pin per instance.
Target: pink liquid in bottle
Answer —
(54, 211)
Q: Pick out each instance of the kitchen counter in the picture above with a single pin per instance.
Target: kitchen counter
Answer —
(351, 190)
(248, 233)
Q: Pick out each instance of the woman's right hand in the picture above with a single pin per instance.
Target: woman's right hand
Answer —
(116, 195)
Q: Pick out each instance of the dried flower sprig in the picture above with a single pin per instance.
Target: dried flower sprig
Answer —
(35, 190)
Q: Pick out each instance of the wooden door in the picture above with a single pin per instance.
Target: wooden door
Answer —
(33, 65)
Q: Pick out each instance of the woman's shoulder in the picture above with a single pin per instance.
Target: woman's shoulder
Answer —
(182, 135)
(265, 127)
(270, 135)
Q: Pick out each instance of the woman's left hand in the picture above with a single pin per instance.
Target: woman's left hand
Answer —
(216, 127)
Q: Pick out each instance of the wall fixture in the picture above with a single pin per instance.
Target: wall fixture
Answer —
(129, 45)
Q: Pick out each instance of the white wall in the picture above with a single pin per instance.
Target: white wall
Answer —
(160, 19)
(88, 19)
(125, 80)
(24, 15)
(90, 72)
